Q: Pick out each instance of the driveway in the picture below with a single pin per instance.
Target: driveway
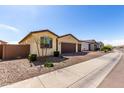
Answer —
(74, 76)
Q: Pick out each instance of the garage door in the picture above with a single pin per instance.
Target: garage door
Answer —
(68, 48)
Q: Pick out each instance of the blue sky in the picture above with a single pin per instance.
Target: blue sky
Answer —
(103, 23)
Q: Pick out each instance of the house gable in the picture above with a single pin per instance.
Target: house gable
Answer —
(69, 38)
(44, 34)
(34, 37)
(38, 32)
(68, 43)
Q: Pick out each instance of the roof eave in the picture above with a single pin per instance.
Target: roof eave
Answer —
(46, 30)
(70, 35)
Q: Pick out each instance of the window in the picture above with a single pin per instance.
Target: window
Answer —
(46, 42)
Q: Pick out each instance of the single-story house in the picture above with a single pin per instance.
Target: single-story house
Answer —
(64, 44)
(88, 45)
(2, 42)
(92, 45)
(85, 45)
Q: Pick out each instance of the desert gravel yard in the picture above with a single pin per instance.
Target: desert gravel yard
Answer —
(20, 69)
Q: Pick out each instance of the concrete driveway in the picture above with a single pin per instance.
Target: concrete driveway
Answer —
(86, 74)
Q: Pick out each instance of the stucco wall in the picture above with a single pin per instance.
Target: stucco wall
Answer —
(92, 47)
(67, 39)
(84, 46)
(33, 46)
(10, 51)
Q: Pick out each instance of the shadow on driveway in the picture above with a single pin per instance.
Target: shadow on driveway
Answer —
(76, 54)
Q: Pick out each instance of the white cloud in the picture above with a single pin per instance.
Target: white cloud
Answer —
(114, 42)
(9, 27)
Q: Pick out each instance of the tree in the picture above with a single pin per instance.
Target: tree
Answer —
(37, 42)
(107, 48)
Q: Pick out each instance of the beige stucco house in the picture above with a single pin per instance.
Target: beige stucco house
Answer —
(64, 44)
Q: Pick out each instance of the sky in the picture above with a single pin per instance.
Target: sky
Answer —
(102, 23)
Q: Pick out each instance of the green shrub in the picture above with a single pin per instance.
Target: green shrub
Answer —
(56, 53)
(48, 64)
(106, 48)
(32, 57)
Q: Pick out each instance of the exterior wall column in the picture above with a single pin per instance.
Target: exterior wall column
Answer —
(4, 52)
(59, 47)
(76, 47)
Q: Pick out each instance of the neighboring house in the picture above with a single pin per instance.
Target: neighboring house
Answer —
(2, 42)
(88, 45)
(84, 46)
(91, 45)
(100, 45)
(65, 44)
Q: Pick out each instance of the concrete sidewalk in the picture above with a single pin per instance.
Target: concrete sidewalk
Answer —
(79, 75)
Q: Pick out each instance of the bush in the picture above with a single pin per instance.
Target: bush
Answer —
(48, 64)
(56, 53)
(32, 57)
(106, 48)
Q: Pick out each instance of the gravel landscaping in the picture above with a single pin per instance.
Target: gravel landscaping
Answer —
(20, 69)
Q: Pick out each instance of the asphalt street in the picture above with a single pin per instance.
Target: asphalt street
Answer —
(115, 79)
